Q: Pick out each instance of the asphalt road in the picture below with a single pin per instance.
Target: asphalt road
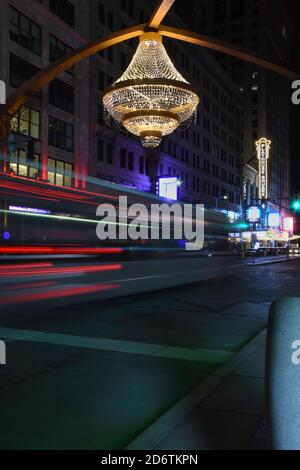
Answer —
(25, 285)
(93, 375)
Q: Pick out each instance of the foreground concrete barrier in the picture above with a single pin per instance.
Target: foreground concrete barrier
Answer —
(283, 374)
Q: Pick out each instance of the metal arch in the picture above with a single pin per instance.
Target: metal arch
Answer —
(42, 78)
(226, 48)
(32, 86)
(160, 12)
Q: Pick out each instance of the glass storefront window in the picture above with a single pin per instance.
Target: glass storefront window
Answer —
(59, 172)
(23, 167)
(26, 122)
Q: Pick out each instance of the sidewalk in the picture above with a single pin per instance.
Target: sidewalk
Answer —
(224, 412)
(270, 260)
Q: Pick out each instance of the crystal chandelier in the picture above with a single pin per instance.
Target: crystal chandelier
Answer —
(151, 99)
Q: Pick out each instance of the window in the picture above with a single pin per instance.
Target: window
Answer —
(110, 55)
(59, 173)
(64, 9)
(61, 95)
(100, 150)
(22, 166)
(123, 158)
(110, 20)
(124, 61)
(101, 80)
(130, 161)
(26, 122)
(20, 71)
(219, 11)
(147, 166)
(237, 9)
(58, 49)
(109, 153)
(100, 114)
(60, 134)
(101, 12)
(25, 32)
(142, 165)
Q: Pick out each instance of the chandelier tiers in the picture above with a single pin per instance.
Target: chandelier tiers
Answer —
(151, 99)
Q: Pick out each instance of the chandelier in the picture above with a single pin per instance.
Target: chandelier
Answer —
(151, 99)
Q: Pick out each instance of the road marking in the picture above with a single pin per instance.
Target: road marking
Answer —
(114, 345)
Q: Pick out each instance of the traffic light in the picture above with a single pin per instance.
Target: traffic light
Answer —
(243, 226)
(296, 205)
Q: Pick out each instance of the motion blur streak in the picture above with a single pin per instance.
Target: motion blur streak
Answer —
(67, 292)
(51, 250)
(5, 267)
(62, 270)
(31, 285)
(69, 193)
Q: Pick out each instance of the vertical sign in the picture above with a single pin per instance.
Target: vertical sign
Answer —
(263, 147)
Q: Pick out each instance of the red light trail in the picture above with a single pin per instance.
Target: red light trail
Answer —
(21, 271)
(65, 292)
(52, 250)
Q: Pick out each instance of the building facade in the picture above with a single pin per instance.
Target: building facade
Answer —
(70, 138)
(262, 26)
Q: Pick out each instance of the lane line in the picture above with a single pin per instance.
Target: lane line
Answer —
(122, 346)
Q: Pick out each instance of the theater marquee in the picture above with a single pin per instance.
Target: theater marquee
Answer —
(263, 147)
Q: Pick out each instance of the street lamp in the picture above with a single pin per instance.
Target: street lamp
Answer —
(223, 198)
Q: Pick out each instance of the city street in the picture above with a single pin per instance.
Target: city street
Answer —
(149, 228)
(96, 375)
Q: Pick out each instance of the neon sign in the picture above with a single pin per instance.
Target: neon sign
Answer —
(253, 214)
(168, 188)
(274, 220)
(29, 210)
(263, 147)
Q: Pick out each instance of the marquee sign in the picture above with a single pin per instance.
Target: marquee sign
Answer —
(263, 147)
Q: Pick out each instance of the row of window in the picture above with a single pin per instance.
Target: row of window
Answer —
(27, 122)
(215, 191)
(59, 172)
(28, 34)
(61, 94)
(127, 161)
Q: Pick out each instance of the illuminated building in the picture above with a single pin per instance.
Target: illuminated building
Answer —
(66, 120)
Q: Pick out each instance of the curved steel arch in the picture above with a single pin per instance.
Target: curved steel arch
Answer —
(42, 78)
(17, 99)
(225, 48)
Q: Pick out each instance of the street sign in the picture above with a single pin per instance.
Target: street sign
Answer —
(283, 374)
(2, 92)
